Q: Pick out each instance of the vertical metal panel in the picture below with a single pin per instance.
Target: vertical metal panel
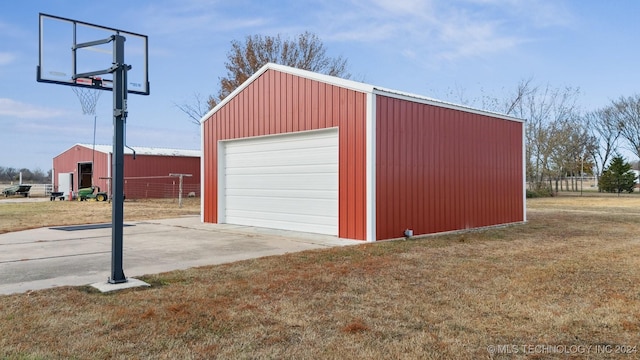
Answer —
(358, 183)
(293, 104)
(441, 169)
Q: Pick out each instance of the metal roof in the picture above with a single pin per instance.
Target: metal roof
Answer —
(141, 150)
(441, 103)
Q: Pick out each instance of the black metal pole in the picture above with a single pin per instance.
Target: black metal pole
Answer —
(119, 118)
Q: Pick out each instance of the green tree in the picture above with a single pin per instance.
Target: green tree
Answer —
(618, 177)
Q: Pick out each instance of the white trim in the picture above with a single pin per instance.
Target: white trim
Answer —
(202, 187)
(371, 167)
(280, 134)
(333, 80)
(524, 173)
(222, 201)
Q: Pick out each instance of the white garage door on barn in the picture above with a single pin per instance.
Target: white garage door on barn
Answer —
(287, 182)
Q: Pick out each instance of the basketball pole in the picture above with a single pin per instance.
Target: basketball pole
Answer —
(55, 72)
(119, 70)
(119, 118)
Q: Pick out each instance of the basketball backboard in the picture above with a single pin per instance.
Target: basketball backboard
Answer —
(61, 59)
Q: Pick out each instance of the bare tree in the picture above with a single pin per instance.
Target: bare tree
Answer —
(548, 112)
(556, 138)
(12, 174)
(196, 110)
(505, 104)
(571, 147)
(515, 102)
(604, 127)
(627, 114)
(306, 52)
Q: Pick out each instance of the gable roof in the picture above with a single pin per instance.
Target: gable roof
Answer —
(141, 150)
(353, 85)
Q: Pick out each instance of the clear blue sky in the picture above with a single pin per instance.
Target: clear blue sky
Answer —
(419, 46)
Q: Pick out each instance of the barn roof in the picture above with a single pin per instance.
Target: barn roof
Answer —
(357, 86)
(140, 150)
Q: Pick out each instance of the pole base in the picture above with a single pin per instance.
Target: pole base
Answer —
(105, 287)
(116, 281)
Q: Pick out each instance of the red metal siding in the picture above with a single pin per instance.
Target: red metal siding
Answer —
(277, 103)
(440, 169)
(147, 176)
(141, 175)
(67, 162)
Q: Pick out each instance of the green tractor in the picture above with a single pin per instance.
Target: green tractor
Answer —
(92, 193)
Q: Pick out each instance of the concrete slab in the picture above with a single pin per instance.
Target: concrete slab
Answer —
(109, 287)
(44, 258)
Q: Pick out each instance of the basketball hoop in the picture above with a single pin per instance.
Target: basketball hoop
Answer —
(87, 96)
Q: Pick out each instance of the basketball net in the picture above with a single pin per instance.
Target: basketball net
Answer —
(88, 98)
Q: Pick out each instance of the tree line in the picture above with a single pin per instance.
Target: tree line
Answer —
(37, 176)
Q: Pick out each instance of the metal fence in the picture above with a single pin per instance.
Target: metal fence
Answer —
(158, 188)
(37, 190)
(137, 188)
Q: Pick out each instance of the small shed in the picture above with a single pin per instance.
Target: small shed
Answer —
(297, 150)
(147, 175)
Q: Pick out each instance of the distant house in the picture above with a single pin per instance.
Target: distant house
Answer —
(146, 176)
(296, 150)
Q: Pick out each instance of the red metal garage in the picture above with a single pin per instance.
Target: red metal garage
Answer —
(293, 149)
(146, 176)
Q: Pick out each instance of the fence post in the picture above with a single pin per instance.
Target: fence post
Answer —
(180, 176)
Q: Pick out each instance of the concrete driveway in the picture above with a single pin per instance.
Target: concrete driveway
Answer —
(50, 257)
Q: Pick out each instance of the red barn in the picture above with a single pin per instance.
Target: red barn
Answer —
(146, 176)
(296, 150)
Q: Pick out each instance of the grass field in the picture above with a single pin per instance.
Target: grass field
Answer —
(16, 216)
(564, 285)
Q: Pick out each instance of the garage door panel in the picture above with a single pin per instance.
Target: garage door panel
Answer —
(286, 182)
(319, 207)
(299, 222)
(281, 193)
(274, 181)
(282, 169)
(306, 223)
(278, 143)
(311, 156)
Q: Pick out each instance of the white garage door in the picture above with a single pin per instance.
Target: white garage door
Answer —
(285, 182)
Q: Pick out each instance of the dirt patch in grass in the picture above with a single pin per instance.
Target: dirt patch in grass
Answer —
(551, 288)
